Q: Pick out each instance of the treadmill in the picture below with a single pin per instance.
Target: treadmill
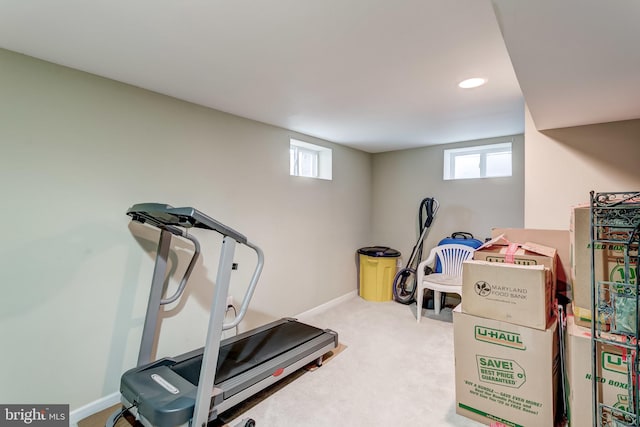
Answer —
(194, 388)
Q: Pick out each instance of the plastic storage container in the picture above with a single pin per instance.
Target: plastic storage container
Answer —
(377, 268)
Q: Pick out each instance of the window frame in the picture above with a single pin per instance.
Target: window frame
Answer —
(321, 158)
(450, 155)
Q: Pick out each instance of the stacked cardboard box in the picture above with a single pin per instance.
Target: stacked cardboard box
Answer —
(503, 331)
(505, 372)
(558, 239)
(608, 264)
(501, 249)
(505, 336)
(611, 373)
(511, 293)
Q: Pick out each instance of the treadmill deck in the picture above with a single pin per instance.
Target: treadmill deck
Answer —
(240, 356)
(164, 391)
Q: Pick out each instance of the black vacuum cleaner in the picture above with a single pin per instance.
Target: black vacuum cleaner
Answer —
(404, 284)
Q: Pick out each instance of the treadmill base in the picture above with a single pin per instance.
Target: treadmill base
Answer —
(163, 393)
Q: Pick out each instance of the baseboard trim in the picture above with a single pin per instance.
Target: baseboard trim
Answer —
(93, 408)
(326, 306)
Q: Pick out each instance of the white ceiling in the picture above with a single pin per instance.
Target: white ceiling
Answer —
(577, 61)
(376, 75)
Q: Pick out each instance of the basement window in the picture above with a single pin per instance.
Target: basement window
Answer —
(483, 161)
(309, 160)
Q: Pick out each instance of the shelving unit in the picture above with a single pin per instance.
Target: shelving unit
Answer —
(615, 237)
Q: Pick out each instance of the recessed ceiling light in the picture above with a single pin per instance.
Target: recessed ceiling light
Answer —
(471, 83)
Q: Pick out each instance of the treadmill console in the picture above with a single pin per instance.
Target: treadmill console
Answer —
(166, 216)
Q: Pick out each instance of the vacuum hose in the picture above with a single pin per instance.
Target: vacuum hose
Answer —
(428, 207)
(404, 284)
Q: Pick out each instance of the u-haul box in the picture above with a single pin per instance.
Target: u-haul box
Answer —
(505, 372)
(608, 257)
(611, 375)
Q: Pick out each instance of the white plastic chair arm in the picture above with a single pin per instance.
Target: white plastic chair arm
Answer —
(430, 261)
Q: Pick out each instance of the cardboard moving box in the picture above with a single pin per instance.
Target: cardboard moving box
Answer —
(500, 249)
(505, 372)
(608, 265)
(520, 294)
(557, 239)
(582, 317)
(611, 373)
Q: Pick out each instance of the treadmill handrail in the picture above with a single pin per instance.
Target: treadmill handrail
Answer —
(187, 273)
(177, 221)
(250, 289)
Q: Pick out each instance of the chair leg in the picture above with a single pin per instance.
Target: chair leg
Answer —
(459, 305)
(436, 302)
(419, 297)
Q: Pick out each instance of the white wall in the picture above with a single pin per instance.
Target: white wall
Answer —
(563, 165)
(401, 179)
(78, 150)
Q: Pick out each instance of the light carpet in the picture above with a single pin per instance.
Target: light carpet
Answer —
(388, 371)
(393, 372)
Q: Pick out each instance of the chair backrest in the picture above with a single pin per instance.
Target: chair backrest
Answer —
(452, 256)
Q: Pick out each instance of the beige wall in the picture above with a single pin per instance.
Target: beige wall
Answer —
(563, 165)
(77, 151)
(401, 179)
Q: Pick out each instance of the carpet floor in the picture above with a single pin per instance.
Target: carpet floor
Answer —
(387, 371)
(392, 372)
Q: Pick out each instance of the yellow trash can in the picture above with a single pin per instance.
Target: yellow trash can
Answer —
(377, 268)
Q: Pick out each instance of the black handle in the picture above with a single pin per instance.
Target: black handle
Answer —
(461, 235)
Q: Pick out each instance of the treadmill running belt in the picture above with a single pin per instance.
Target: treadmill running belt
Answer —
(245, 354)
